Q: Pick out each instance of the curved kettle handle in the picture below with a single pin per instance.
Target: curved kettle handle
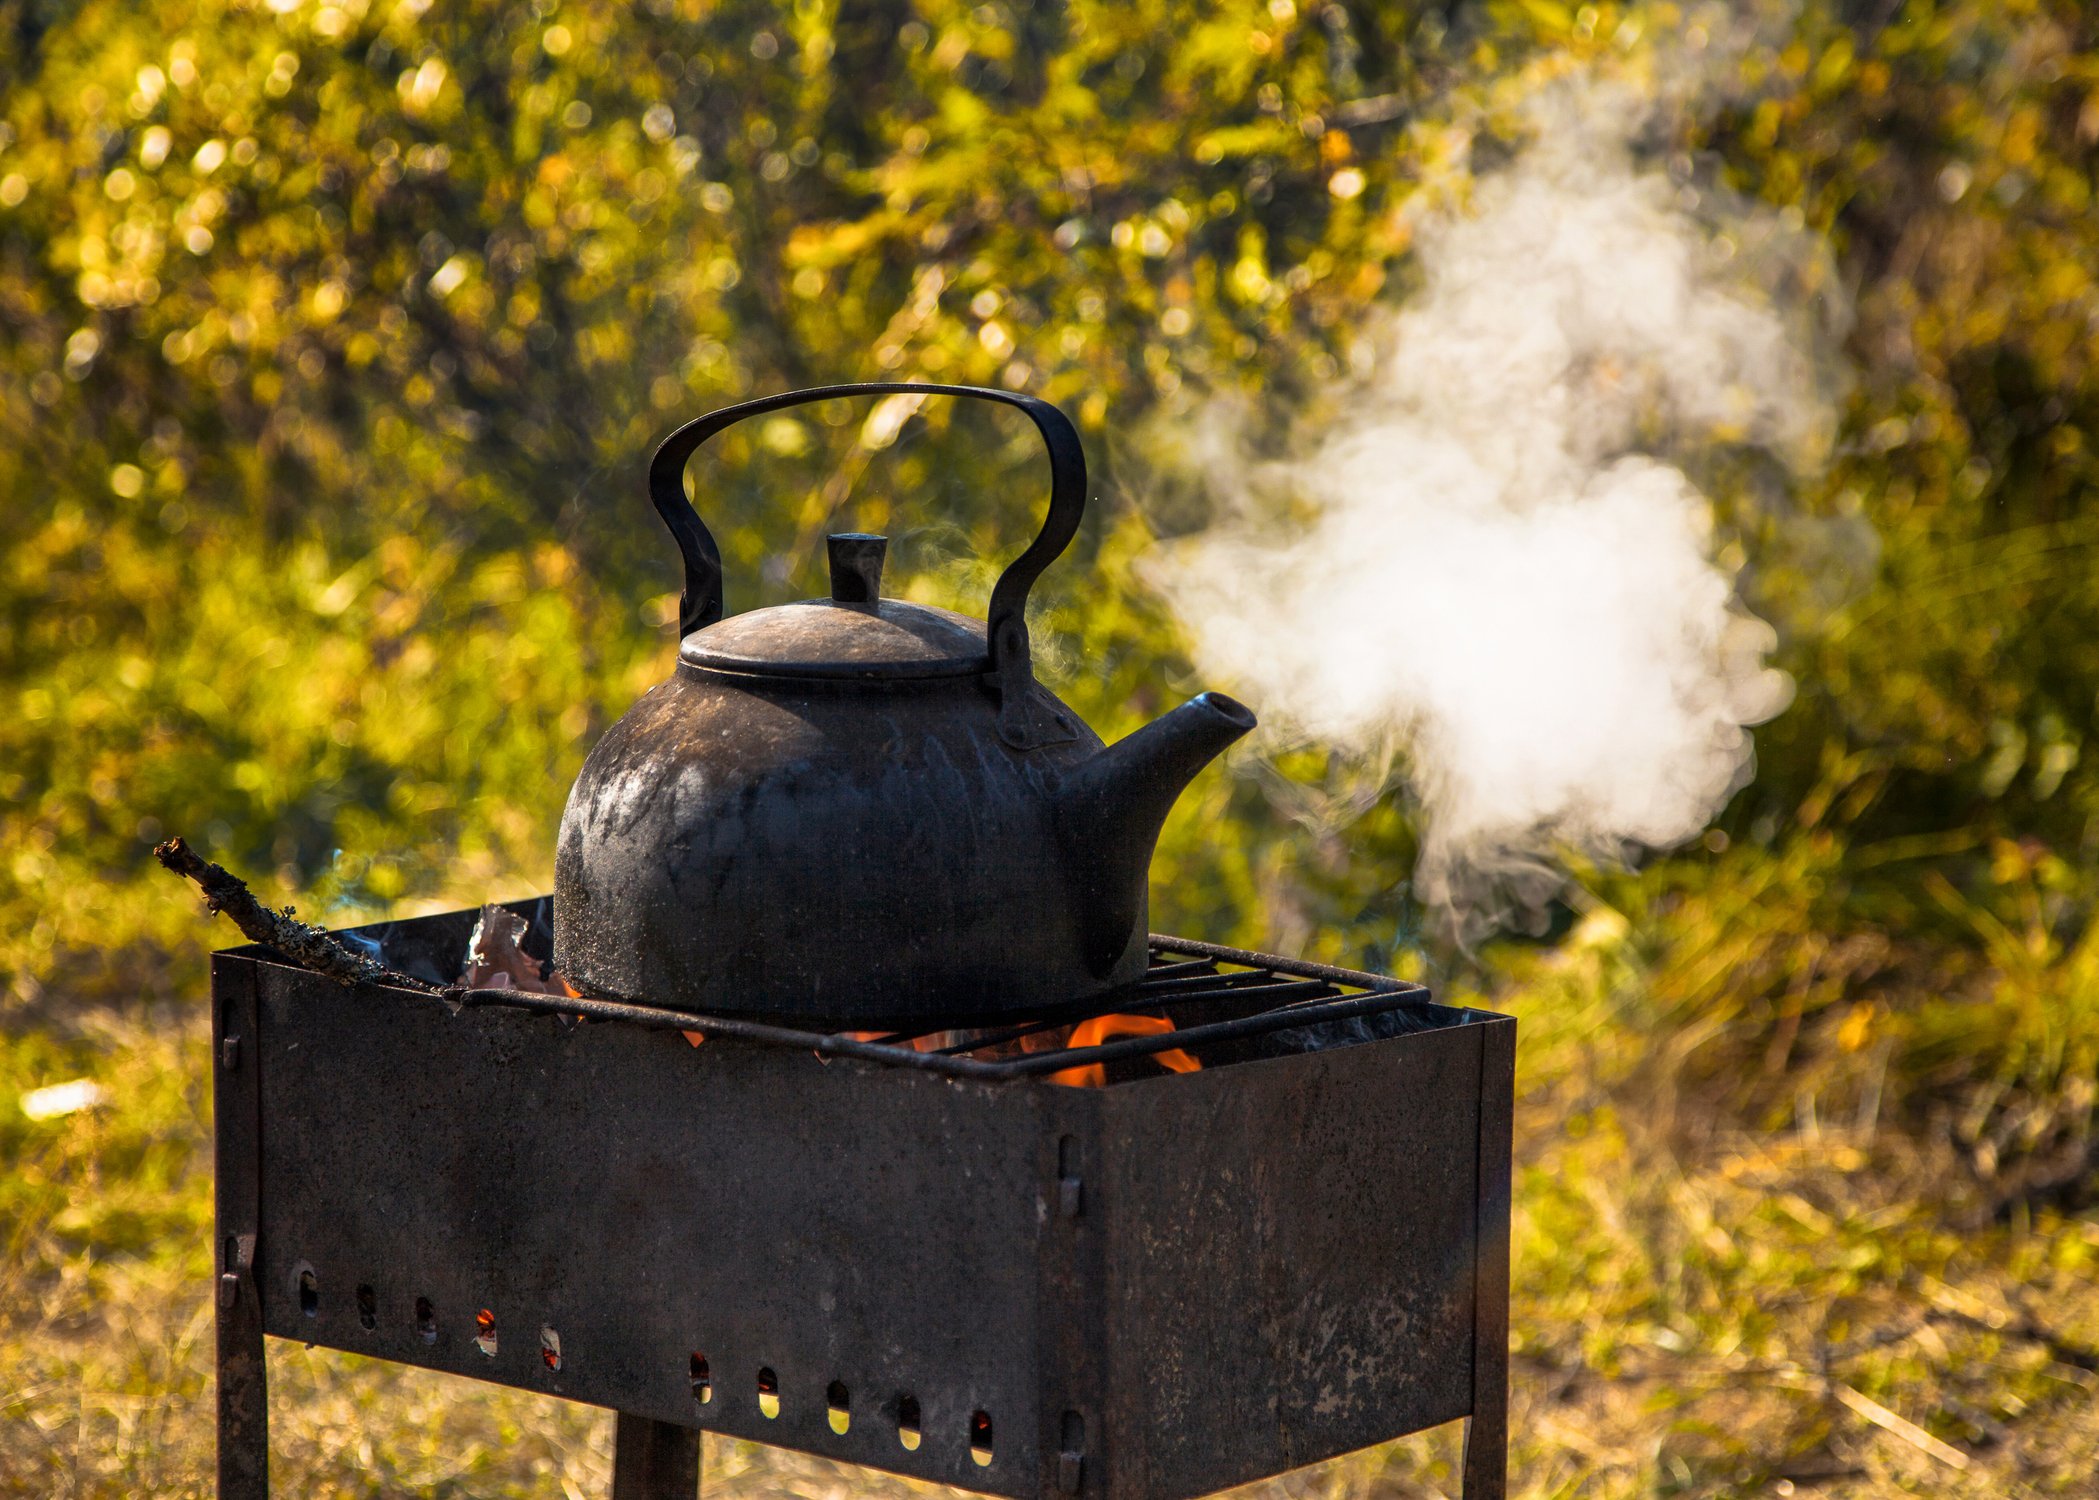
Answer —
(701, 603)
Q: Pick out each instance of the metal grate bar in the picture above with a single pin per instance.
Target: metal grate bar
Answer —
(1200, 983)
(1159, 971)
(1002, 1036)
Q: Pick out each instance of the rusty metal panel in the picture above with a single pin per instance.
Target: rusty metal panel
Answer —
(1291, 1268)
(647, 1201)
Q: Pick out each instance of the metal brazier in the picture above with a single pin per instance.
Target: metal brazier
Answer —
(1149, 1290)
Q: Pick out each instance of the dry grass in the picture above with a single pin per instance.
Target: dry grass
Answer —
(1701, 1309)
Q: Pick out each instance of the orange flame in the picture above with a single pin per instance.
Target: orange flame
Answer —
(1091, 1033)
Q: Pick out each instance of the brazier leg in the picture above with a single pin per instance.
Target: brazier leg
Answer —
(244, 1407)
(243, 1396)
(654, 1460)
(1487, 1432)
(1486, 1457)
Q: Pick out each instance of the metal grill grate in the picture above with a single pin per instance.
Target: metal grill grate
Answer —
(1214, 995)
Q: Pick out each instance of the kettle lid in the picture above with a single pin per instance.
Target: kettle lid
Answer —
(855, 634)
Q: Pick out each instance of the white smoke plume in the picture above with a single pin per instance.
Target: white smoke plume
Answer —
(1491, 557)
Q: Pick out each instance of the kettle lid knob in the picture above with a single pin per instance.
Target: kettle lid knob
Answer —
(856, 566)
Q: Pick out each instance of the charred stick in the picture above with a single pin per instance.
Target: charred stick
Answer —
(308, 946)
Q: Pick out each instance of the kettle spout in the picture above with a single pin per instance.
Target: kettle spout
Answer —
(1110, 811)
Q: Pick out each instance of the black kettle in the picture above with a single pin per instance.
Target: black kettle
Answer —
(860, 812)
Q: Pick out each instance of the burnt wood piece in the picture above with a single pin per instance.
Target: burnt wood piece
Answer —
(243, 1384)
(654, 1460)
(1156, 1289)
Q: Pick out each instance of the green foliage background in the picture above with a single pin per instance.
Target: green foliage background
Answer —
(334, 337)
